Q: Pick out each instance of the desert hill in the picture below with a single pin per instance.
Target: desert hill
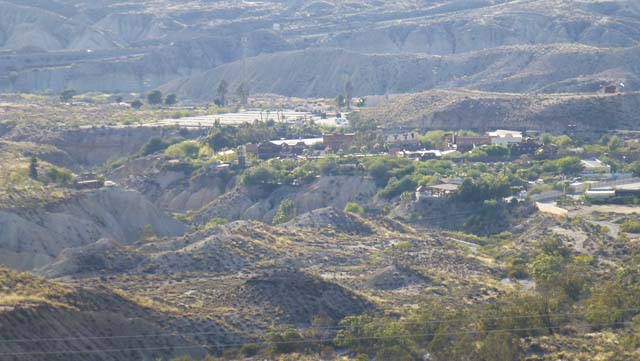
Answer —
(52, 321)
(458, 109)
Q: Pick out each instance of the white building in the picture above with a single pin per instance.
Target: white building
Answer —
(591, 166)
(504, 138)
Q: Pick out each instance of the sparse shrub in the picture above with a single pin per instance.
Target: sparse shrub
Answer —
(284, 340)
(147, 232)
(59, 175)
(217, 221)
(353, 207)
(250, 350)
(67, 95)
(136, 104)
(630, 226)
(286, 212)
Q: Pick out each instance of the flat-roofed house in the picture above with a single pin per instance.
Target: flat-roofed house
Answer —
(504, 137)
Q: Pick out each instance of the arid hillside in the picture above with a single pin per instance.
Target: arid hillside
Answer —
(462, 109)
(558, 68)
(122, 46)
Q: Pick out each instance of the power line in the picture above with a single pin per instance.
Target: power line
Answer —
(41, 353)
(328, 328)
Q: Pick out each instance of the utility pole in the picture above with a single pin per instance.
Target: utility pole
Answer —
(245, 85)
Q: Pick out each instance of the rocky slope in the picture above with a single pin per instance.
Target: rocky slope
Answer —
(32, 238)
(261, 204)
(323, 72)
(462, 109)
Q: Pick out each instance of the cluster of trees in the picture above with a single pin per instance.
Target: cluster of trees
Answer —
(57, 175)
(241, 93)
(189, 149)
(156, 98)
(231, 136)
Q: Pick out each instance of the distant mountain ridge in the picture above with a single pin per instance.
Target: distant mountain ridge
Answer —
(123, 46)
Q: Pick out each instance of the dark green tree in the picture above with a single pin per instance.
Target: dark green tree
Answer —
(33, 168)
(155, 97)
(171, 99)
(136, 104)
(223, 89)
(67, 95)
(348, 93)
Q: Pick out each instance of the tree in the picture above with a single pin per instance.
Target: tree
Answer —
(286, 212)
(242, 93)
(569, 165)
(340, 101)
(348, 93)
(171, 99)
(155, 97)
(223, 89)
(613, 143)
(154, 144)
(67, 95)
(136, 104)
(186, 149)
(634, 168)
(33, 168)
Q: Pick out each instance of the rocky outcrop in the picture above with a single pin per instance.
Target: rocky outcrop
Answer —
(33, 238)
(262, 205)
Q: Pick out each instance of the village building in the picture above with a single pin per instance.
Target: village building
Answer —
(338, 141)
(268, 150)
(505, 138)
(410, 139)
(594, 166)
(528, 147)
(464, 143)
(90, 184)
(436, 191)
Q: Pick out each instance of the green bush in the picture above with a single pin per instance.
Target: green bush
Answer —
(286, 212)
(186, 149)
(59, 175)
(630, 226)
(353, 207)
(155, 144)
